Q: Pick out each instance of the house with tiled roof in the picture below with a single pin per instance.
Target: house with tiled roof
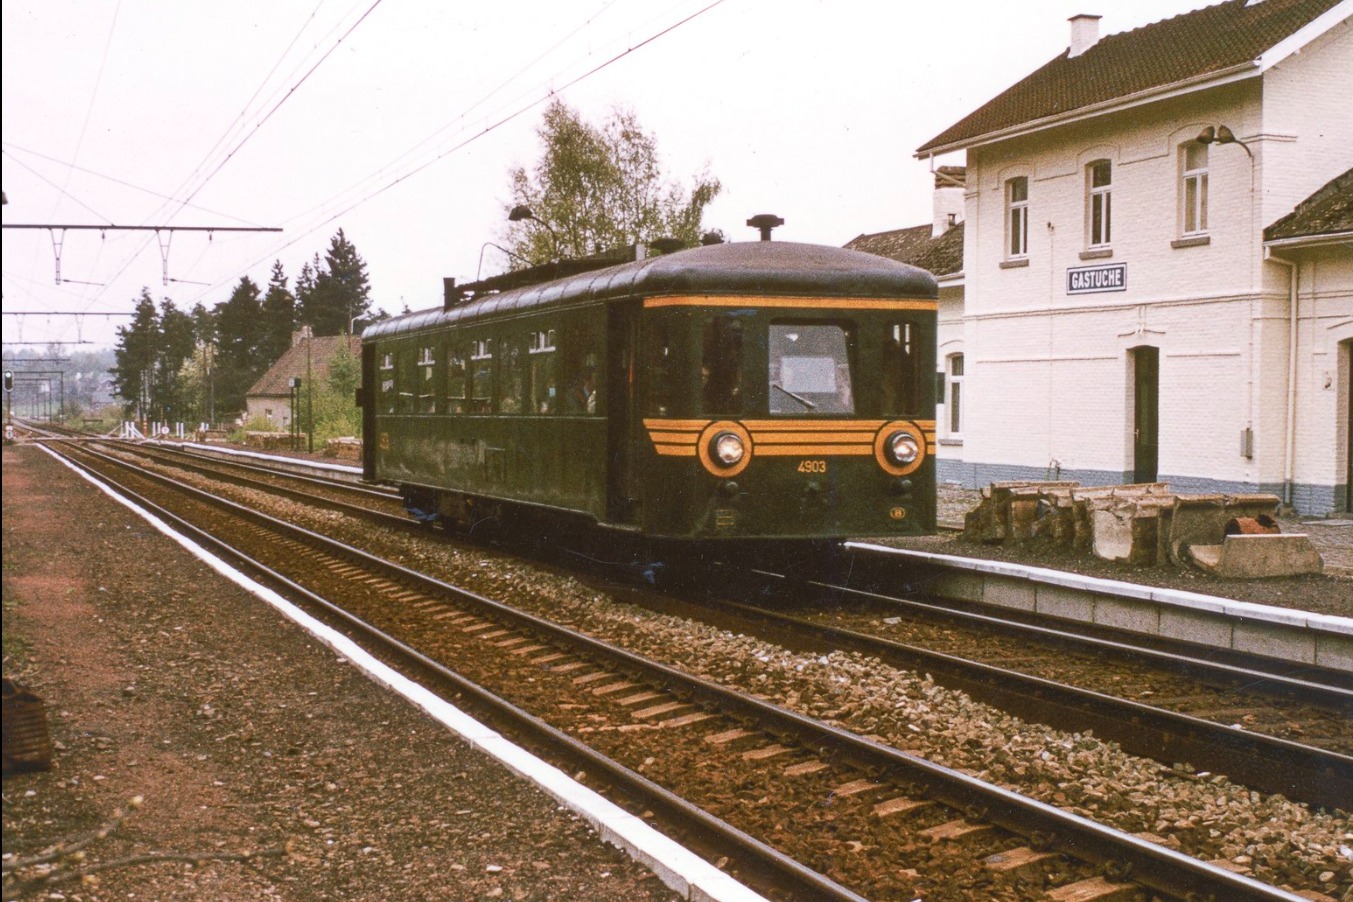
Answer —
(1157, 276)
(270, 398)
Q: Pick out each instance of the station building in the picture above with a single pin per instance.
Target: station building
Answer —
(1156, 279)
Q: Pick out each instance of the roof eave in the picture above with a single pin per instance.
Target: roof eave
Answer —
(1299, 241)
(1238, 72)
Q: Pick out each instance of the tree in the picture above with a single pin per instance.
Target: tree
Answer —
(239, 333)
(279, 316)
(601, 187)
(334, 292)
(134, 356)
(177, 342)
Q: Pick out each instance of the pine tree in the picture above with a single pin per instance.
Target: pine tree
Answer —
(176, 344)
(339, 290)
(239, 333)
(279, 316)
(134, 356)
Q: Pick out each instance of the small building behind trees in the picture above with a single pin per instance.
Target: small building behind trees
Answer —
(309, 357)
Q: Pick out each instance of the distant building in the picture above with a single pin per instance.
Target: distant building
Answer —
(270, 397)
(1157, 267)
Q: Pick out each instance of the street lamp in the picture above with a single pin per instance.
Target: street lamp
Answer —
(522, 212)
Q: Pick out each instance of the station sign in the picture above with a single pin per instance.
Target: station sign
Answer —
(1095, 279)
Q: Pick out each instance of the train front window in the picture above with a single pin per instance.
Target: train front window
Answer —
(721, 365)
(809, 370)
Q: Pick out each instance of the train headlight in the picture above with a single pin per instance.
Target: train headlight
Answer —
(902, 448)
(727, 449)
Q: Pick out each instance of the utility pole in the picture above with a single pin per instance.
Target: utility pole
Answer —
(309, 397)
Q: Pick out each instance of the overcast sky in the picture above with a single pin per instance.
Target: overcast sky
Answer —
(397, 121)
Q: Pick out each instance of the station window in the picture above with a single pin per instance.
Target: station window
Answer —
(457, 381)
(481, 376)
(1099, 204)
(955, 395)
(543, 387)
(427, 382)
(902, 360)
(1017, 217)
(1193, 190)
(809, 370)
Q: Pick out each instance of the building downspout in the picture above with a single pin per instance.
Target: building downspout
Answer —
(1290, 439)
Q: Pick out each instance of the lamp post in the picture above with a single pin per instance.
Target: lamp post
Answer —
(522, 212)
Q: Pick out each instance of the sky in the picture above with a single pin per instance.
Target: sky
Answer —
(399, 120)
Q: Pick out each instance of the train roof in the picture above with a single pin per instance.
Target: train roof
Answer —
(777, 268)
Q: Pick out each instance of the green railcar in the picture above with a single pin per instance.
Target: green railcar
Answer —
(736, 392)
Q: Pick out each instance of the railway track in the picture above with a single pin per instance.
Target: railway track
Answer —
(800, 771)
(1244, 717)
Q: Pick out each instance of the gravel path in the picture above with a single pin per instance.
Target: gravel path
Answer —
(243, 735)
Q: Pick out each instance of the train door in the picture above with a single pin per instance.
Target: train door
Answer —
(1145, 416)
(623, 427)
(366, 400)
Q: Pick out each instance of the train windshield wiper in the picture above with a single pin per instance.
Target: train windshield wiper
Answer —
(800, 398)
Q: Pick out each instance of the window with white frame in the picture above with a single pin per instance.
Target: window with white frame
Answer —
(954, 396)
(1017, 217)
(1193, 191)
(1099, 204)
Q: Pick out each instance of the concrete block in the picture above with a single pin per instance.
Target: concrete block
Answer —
(1191, 625)
(1125, 613)
(960, 586)
(1334, 652)
(1274, 641)
(1068, 604)
(1010, 593)
(1259, 556)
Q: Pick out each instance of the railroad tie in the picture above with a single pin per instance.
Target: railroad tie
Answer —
(549, 659)
(569, 667)
(686, 720)
(854, 788)
(957, 831)
(638, 698)
(1023, 861)
(592, 677)
(769, 751)
(899, 805)
(659, 710)
(803, 768)
(614, 687)
(529, 649)
(1096, 889)
(728, 736)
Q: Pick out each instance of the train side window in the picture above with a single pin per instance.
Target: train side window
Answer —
(579, 365)
(457, 380)
(809, 370)
(387, 380)
(902, 360)
(481, 376)
(427, 381)
(406, 381)
(721, 365)
(512, 376)
(543, 389)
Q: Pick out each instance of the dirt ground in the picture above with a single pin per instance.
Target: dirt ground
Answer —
(241, 735)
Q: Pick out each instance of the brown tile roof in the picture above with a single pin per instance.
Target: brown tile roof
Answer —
(276, 382)
(942, 256)
(1328, 211)
(1192, 45)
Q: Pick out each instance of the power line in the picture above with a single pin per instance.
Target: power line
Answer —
(487, 130)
